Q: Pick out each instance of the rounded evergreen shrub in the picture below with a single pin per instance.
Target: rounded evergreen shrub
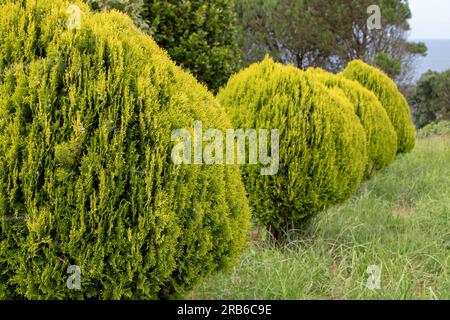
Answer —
(322, 144)
(391, 99)
(381, 136)
(86, 178)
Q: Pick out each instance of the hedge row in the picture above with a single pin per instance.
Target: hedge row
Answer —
(333, 133)
(86, 176)
(391, 99)
(380, 133)
(322, 147)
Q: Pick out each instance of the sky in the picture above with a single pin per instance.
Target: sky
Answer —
(430, 19)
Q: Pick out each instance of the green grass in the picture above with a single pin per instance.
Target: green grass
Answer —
(400, 221)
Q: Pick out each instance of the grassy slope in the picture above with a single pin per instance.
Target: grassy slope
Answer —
(400, 220)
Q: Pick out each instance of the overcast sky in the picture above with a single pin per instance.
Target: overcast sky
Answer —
(430, 19)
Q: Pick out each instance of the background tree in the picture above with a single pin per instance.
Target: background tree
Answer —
(328, 34)
(285, 29)
(431, 99)
(134, 8)
(200, 35)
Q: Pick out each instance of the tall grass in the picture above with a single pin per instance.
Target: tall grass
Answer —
(399, 221)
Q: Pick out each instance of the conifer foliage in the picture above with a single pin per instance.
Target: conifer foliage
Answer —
(86, 178)
(322, 152)
(200, 35)
(391, 99)
(380, 134)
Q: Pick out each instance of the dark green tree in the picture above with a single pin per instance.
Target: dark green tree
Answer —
(284, 29)
(200, 35)
(328, 34)
(391, 66)
(431, 99)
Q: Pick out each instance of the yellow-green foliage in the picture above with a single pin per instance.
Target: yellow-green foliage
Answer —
(322, 147)
(86, 176)
(391, 99)
(381, 136)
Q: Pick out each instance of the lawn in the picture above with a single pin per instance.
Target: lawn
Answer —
(399, 222)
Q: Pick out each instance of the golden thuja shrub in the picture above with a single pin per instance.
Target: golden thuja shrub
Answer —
(380, 133)
(391, 99)
(322, 145)
(86, 177)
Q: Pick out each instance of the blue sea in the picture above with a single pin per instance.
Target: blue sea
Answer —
(438, 58)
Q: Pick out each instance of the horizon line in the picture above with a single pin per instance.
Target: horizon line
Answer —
(424, 39)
